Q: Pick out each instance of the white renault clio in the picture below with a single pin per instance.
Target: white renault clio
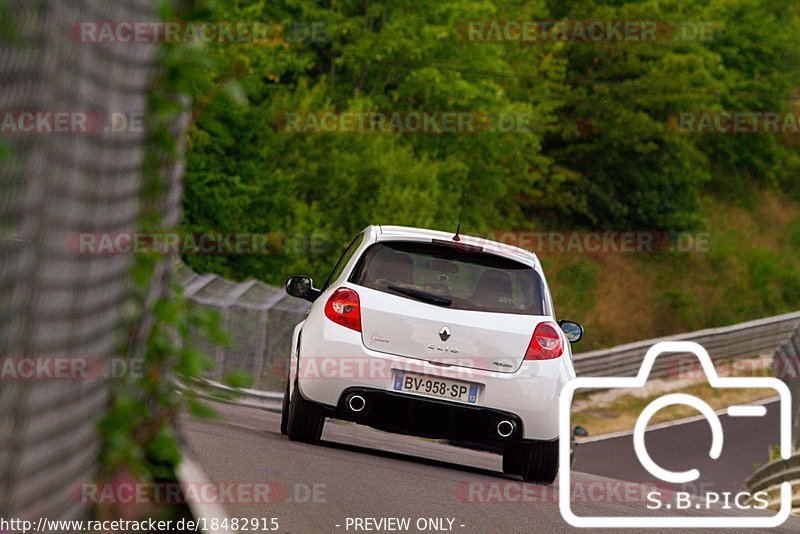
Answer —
(429, 334)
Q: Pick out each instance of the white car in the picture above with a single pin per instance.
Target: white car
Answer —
(437, 335)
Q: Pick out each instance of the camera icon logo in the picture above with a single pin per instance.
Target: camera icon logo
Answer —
(717, 441)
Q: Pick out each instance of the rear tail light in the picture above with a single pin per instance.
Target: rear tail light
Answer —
(545, 343)
(343, 308)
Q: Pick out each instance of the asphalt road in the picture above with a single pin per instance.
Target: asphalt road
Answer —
(746, 444)
(358, 473)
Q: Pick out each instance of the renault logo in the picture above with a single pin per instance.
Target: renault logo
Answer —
(444, 333)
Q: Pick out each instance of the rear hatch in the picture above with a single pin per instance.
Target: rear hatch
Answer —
(448, 304)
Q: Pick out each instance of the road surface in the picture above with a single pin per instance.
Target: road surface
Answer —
(746, 444)
(361, 474)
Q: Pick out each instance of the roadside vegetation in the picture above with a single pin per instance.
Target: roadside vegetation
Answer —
(749, 269)
(602, 152)
(622, 414)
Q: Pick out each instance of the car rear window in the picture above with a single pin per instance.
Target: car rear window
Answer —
(451, 276)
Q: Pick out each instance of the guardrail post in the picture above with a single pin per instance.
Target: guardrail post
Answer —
(261, 346)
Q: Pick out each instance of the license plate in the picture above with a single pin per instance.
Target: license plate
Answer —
(443, 388)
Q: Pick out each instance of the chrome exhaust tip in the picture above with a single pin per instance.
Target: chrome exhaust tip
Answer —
(505, 428)
(356, 403)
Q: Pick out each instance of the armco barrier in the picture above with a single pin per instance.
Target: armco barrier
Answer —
(752, 338)
(768, 478)
(779, 335)
(786, 364)
(263, 341)
(260, 349)
(270, 401)
(265, 318)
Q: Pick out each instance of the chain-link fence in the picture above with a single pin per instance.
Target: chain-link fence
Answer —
(56, 183)
(260, 319)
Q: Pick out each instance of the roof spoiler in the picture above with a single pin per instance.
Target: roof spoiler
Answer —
(459, 245)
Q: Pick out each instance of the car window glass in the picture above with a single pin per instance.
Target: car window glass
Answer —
(456, 278)
(346, 255)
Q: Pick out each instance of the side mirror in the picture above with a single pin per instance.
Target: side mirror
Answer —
(572, 330)
(302, 287)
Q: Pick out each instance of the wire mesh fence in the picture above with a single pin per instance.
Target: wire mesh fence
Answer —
(259, 318)
(57, 305)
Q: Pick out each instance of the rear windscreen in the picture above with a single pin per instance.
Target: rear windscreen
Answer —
(449, 276)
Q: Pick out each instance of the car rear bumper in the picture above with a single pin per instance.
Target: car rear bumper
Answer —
(529, 396)
(429, 418)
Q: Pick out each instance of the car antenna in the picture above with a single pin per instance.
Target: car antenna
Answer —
(456, 237)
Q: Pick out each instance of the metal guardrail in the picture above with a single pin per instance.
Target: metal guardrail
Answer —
(768, 478)
(749, 339)
(786, 366)
(265, 335)
(261, 319)
(264, 320)
(773, 473)
(779, 335)
(270, 401)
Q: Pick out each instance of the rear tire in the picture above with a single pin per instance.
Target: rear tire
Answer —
(534, 462)
(306, 419)
(285, 410)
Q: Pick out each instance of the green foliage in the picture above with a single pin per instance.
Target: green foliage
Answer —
(756, 45)
(8, 31)
(793, 234)
(138, 428)
(580, 276)
(601, 152)
(244, 175)
(775, 453)
(238, 380)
